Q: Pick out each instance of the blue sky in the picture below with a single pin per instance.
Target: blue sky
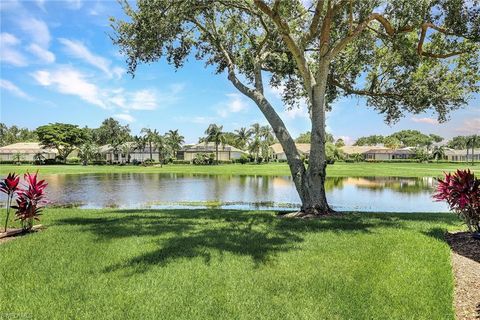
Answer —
(59, 65)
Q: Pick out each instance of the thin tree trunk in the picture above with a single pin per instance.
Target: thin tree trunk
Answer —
(216, 153)
(151, 152)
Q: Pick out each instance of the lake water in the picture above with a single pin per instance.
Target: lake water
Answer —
(132, 190)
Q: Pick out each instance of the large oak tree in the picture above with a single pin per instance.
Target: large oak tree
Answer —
(401, 55)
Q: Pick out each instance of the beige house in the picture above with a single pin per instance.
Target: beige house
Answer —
(389, 154)
(278, 154)
(461, 155)
(225, 152)
(128, 154)
(27, 151)
(352, 150)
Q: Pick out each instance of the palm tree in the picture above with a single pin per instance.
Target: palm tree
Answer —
(255, 130)
(266, 134)
(160, 143)
(214, 134)
(150, 135)
(438, 152)
(175, 141)
(139, 144)
(471, 142)
(254, 147)
(242, 136)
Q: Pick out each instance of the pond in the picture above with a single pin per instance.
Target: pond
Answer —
(134, 190)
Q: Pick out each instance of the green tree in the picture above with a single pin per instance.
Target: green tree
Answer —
(458, 143)
(370, 140)
(215, 134)
(339, 143)
(111, 132)
(438, 152)
(150, 136)
(392, 142)
(88, 152)
(306, 137)
(242, 136)
(61, 136)
(139, 143)
(472, 142)
(175, 141)
(401, 55)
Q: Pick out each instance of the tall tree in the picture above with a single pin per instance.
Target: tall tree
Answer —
(175, 141)
(215, 134)
(401, 55)
(111, 132)
(370, 140)
(242, 136)
(150, 137)
(61, 136)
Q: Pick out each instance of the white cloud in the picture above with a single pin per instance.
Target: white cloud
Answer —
(70, 81)
(235, 104)
(470, 126)
(9, 86)
(78, 50)
(426, 120)
(37, 29)
(347, 139)
(143, 100)
(45, 55)
(197, 119)
(9, 52)
(124, 116)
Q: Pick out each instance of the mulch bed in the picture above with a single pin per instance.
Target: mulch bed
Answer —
(466, 269)
(16, 233)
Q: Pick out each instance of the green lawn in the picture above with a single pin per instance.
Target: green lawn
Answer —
(340, 169)
(218, 264)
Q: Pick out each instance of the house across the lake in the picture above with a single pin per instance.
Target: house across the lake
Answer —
(461, 155)
(278, 154)
(225, 151)
(127, 153)
(26, 151)
(389, 154)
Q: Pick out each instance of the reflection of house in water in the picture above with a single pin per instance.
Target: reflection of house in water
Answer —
(397, 184)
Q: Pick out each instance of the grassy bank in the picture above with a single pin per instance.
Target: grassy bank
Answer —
(339, 169)
(217, 264)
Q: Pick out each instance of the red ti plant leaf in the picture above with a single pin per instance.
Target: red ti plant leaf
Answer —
(461, 191)
(30, 200)
(9, 186)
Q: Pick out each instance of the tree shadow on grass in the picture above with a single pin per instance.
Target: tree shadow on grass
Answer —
(199, 233)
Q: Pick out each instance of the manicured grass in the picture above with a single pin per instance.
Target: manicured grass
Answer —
(339, 169)
(218, 264)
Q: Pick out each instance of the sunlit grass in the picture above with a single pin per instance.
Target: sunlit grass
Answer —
(339, 169)
(219, 264)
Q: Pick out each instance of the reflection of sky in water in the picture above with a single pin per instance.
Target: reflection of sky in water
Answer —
(132, 190)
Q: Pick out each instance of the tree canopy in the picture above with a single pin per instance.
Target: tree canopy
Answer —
(61, 136)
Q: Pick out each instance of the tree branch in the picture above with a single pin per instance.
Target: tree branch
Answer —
(314, 25)
(284, 29)
(423, 34)
(351, 90)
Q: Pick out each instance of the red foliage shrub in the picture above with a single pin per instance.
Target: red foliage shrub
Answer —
(461, 190)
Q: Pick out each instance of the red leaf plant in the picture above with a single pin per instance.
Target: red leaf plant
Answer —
(30, 201)
(461, 191)
(9, 186)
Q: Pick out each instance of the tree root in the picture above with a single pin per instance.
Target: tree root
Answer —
(309, 214)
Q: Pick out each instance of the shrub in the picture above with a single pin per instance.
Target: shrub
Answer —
(30, 201)
(73, 160)
(99, 162)
(243, 159)
(225, 161)
(181, 162)
(461, 190)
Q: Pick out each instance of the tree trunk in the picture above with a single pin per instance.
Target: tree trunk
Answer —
(151, 152)
(216, 153)
(316, 201)
(308, 183)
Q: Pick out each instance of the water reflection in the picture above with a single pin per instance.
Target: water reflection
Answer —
(137, 190)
